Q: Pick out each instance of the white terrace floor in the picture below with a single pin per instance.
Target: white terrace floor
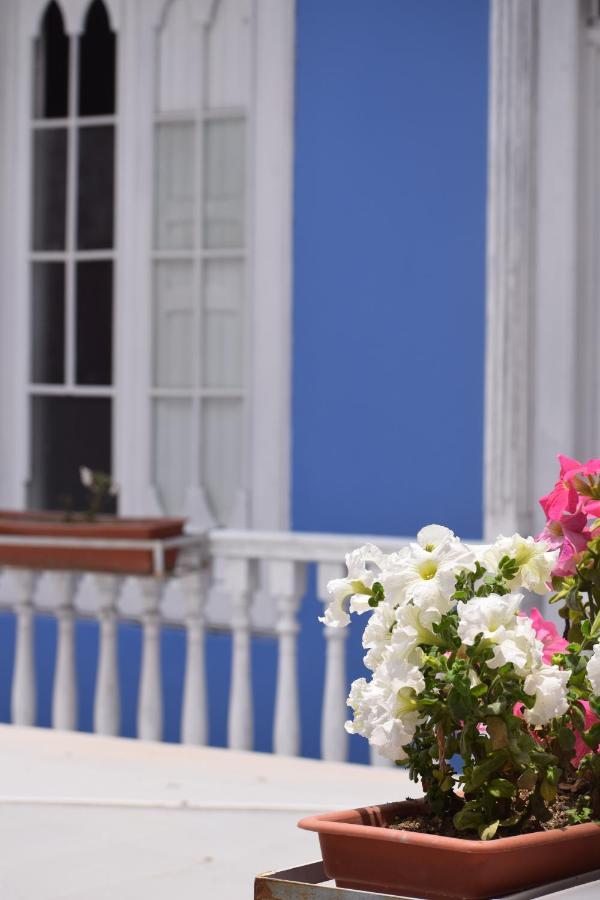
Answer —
(91, 818)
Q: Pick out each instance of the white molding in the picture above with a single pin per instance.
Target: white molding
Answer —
(509, 266)
(558, 275)
(534, 367)
(271, 252)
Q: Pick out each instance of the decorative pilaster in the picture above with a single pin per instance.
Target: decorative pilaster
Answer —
(510, 247)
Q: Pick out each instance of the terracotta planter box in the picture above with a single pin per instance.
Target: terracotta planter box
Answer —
(122, 561)
(361, 855)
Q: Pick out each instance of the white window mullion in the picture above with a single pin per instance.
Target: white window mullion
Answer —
(71, 220)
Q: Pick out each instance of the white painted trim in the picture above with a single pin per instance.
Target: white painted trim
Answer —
(533, 365)
(557, 258)
(271, 252)
(509, 269)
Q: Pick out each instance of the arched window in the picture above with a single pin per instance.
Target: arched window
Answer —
(200, 260)
(72, 255)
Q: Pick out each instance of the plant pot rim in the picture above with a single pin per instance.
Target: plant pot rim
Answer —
(367, 823)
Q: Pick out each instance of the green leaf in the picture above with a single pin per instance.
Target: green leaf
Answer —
(487, 832)
(501, 787)
(548, 791)
(566, 738)
(482, 771)
(467, 818)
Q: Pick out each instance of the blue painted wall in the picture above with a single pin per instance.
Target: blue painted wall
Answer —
(388, 323)
(390, 181)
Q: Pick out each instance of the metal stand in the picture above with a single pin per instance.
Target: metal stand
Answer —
(306, 883)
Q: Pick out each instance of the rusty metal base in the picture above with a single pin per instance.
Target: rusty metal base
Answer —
(306, 883)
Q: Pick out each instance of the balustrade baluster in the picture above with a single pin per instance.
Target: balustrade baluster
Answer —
(149, 724)
(194, 728)
(238, 581)
(64, 696)
(21, 585)
(286, 582)
(106, 704)
(334, 740)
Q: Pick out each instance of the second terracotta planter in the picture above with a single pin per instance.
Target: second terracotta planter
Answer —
(125, 560)
(360, 854)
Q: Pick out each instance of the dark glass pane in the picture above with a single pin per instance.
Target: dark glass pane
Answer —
(66, 433)
(48, 323)
(94, 323)
(97, 49)
(49, 188)
(51, 76)
(95, 188)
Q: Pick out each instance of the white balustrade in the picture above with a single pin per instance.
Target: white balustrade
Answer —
(286, 583)
(20, 590)
(194, 724)
(224, 593)
(334, 740)
(64, 694)
(149, 723)
(238, 580)
(106, 704)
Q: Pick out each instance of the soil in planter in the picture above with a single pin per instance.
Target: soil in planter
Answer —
(567, 799)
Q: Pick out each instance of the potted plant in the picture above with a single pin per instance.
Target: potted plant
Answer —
(87, 541)
(489, 708)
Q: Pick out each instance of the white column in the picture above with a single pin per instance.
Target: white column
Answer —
(106, 703)
(149, 724)
(23, 698)
(238, 581)
(334, 740)
(194, 725)
(510, 240)
(286, 583)
(64, 696)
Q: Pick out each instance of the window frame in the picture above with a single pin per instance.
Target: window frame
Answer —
(265, 500)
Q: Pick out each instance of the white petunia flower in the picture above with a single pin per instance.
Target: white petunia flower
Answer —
(519, 647)
(385, 709)
(426, 574)
(86, 476)
(413, 628)
(533, 557)
(593, 669)
(364, 566)
(491, 616)
(549, 686)
(378, 634)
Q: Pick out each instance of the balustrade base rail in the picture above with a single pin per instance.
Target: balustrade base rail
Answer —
(306, 883)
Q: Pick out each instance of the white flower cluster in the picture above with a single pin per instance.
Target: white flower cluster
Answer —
(514, 641)
(418, 583)
(593, 669)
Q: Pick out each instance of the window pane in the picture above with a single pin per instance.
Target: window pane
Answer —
(224, 180)
(48, 323)
(174, 187)
(51, 75)
(97, 50)
(222, 333)
(96, 188)
(222, 455)
(174, 345)
(94, 323)
(172, 452)
(49, 188)
(67, 432)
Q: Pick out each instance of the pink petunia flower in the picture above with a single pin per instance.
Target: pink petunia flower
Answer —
(565, 530)
(547, 633)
